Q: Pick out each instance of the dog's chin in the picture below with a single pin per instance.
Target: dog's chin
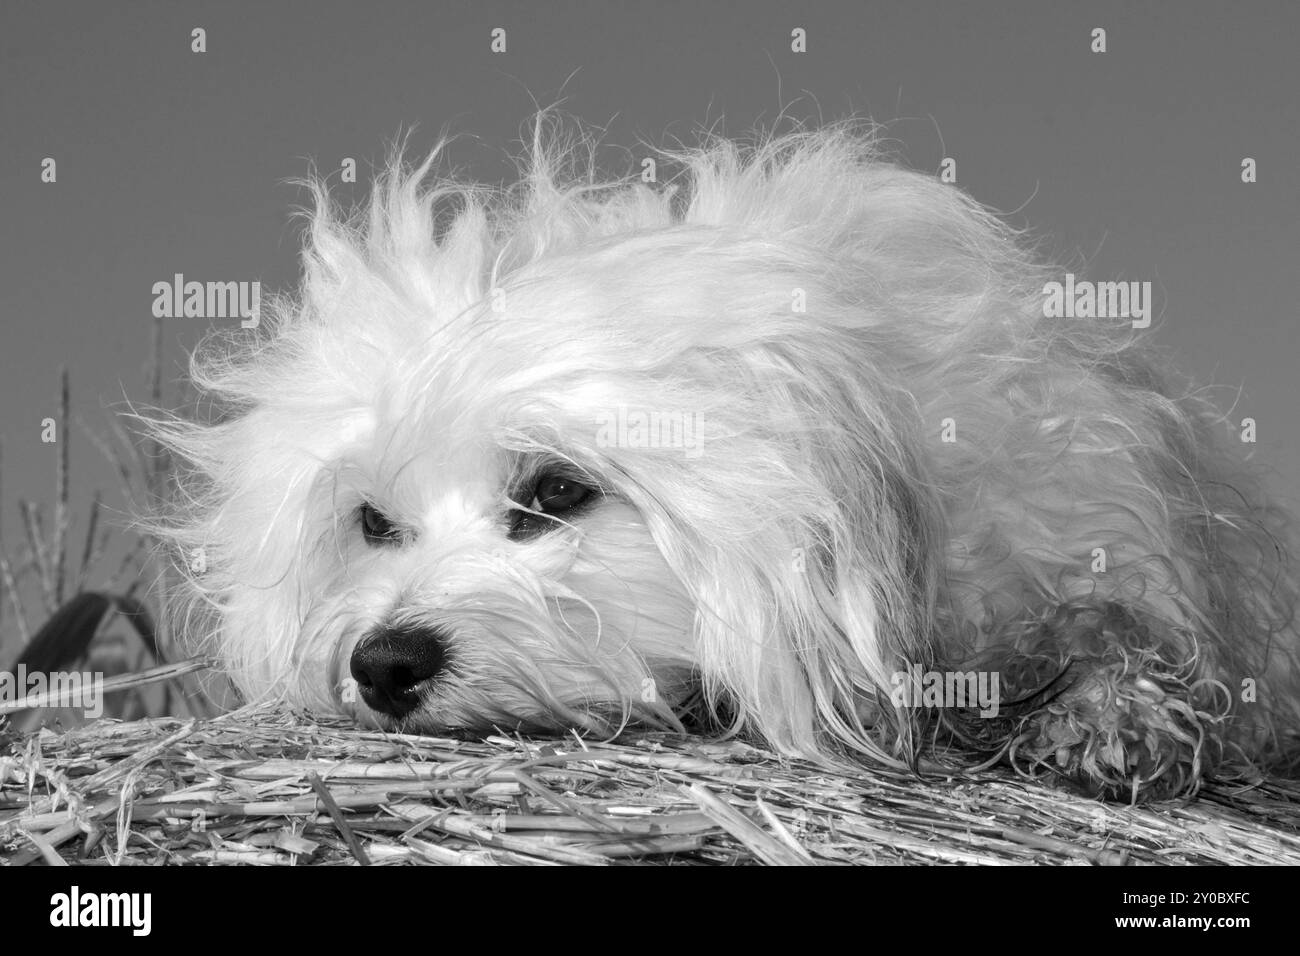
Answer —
(453, 709)
(601, 719)
(433, 724)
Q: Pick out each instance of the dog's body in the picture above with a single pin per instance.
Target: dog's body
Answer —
(447, 474)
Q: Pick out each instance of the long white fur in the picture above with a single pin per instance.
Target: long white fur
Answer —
(824, 538)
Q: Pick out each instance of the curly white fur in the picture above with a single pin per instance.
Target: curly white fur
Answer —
(822, 537)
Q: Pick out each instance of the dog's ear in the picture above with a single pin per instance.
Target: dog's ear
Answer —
(809, 544)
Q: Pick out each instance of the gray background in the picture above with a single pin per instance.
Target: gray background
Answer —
(170, 161)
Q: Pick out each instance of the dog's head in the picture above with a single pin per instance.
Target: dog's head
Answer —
(570, 454)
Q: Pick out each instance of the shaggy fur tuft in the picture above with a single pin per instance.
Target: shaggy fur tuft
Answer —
(813, 314)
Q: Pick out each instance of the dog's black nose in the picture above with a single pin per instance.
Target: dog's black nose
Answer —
(390, 664)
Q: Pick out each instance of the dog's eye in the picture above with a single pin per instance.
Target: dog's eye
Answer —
(553, 495)
(556, 494)
(375, 527)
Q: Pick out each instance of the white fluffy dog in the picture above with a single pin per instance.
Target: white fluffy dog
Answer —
(733, 453)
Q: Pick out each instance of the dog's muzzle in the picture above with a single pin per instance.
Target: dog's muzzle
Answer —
(391, 664)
